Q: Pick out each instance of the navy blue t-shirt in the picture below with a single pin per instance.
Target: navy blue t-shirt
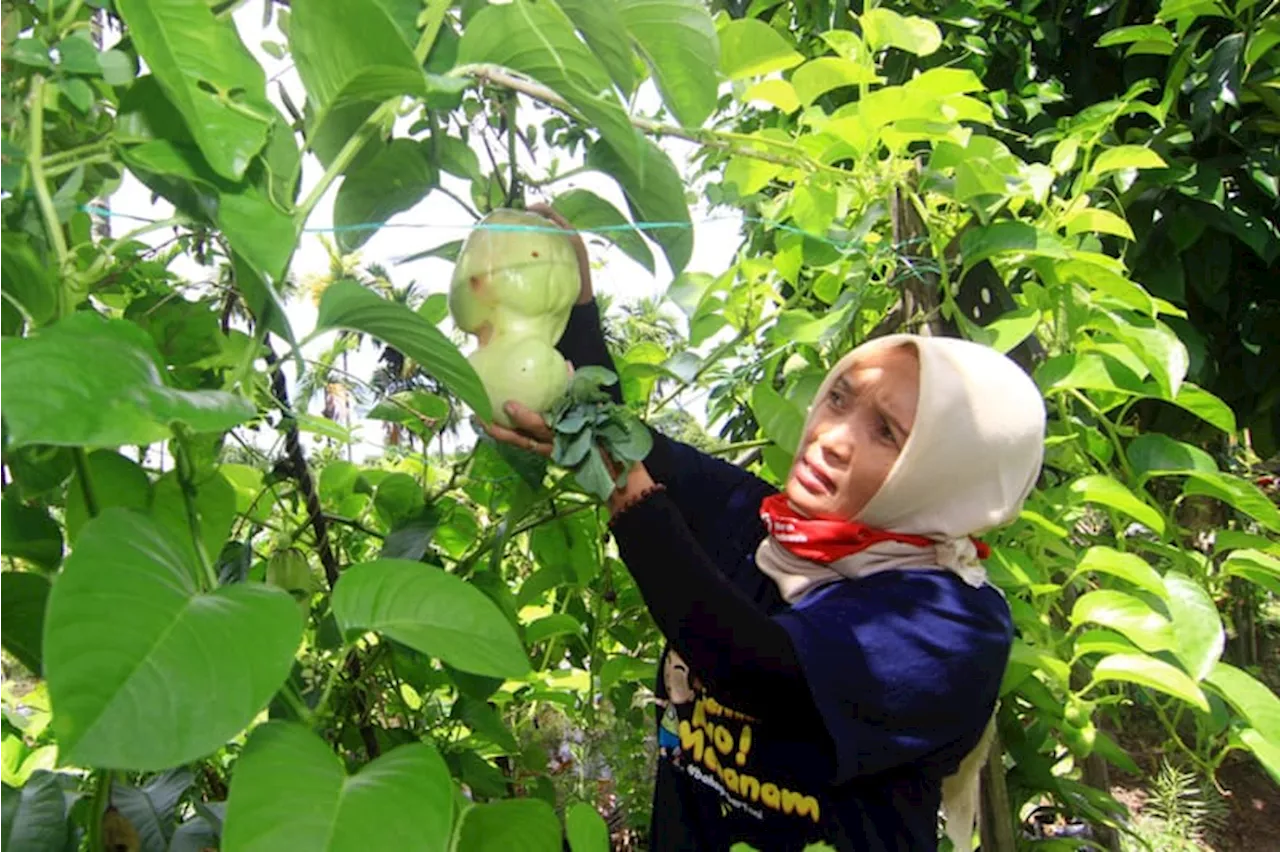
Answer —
(900, 673)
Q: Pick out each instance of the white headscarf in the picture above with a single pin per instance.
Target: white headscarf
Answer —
(972, 457)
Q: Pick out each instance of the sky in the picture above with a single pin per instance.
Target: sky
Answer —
(717, 235)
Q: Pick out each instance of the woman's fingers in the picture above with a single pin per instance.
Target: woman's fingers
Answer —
(528, 421)
(518, 439)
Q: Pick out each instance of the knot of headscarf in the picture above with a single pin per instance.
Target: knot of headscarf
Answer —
(827, 545)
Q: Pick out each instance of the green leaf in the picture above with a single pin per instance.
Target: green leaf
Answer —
(1088, 371)
(1155, 453)
(1252, 699)
(1103, 642)
(482, 719)
(678, 40)
(1206, 406)
(1012, 328)
(550, 626)
(816, 77)
(115, 482)
(1130, 616)
(1107, 491)
(28, 281)
(537, 39)
(1151, 673)
(1267, 752)
(751, 48)
(23, 598)
(29, 532)
(1127, 566)
(35, 816)
(570, 545)
(1130, 35)
(1126, 157)
(1093, 220)
(655, 195)
(1197, 626)
(214, 502)
(213, 81)
(780, 419)
(586, 829)
(351, 57)
(432, 612)
(585, 210)
(1237, 492)
(347, 305)
(132, 645)
(883, 28)
(520, 825)
(1255, 566)
(1006, 237)
(600, 23)
(78, 55)
(290, 791)
(117, 67)
(90, 381)
(393, 180)
(254, 214)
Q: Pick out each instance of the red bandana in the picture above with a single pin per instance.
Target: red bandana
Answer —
(825, 541)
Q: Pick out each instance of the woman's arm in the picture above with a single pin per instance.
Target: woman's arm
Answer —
(746, 656)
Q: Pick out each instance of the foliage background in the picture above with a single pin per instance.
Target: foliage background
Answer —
(218, 604)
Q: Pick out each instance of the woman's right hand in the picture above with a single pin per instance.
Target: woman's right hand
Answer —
(585, 292)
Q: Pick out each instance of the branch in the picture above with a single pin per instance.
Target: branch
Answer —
(706, 138)
(35, 162)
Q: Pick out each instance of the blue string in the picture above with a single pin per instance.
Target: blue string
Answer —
(841, 245)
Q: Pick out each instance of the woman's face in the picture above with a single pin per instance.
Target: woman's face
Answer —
(857, 433)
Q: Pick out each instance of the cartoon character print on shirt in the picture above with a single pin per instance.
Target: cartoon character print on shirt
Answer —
(676, 678)
(712, 744)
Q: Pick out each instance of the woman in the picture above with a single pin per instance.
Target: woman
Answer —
(834, 651)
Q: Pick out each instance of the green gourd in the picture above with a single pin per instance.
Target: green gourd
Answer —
(513, 289)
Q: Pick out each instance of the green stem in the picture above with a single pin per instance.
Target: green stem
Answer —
(740, 445)
(101, 799)
(1172, 732)
(186, 484)
(88, 149)
(63, 168)
(322, 706)
(81, 460)
(371, 127)
(1109, 428)
(295, 702)
(35, 154)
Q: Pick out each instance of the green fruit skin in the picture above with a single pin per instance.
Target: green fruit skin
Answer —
(514, 290)
(289, 570)
(523, 369)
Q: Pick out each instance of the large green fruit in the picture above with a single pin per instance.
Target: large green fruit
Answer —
(513, 289)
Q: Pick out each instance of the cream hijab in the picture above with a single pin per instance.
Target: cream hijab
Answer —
(971, 459)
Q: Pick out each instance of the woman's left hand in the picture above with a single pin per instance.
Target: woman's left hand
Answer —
(531, 431)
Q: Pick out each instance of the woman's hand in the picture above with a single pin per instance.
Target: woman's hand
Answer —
(531, 431)
(585, 293)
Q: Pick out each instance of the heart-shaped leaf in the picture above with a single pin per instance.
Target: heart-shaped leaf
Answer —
(147, 671)
(519, 825)
(655, 194)
(290, 792)
(1251, 698)
(393, 180)
(587, 830)
(90, 381)
(432, 612)
(586, 210)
